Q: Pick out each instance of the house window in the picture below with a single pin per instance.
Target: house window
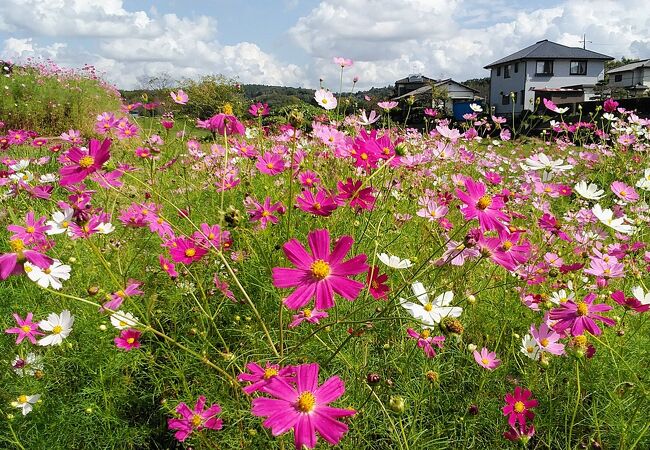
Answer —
(505, 99)
(506, 71)
(618, 78)
(516, 67)
(578, 67)
(544, 67)
(521, 99)
(499, 71)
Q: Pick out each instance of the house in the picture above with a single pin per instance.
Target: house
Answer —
(544, 70)
(634, 77)
(443, 94)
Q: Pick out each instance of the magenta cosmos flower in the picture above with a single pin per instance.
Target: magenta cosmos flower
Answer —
(480, 205)
(260, 376)
(425, 341)
(580, 316)
(320, 274)
(518, 407)
(12, 263)
(25, 329)
(128, 339)
(196, 419)
(304, 407)
(487, 359)
(83, 164)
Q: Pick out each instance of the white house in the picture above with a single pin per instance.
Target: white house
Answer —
(634, 77)
(544, 70)
(454, 92)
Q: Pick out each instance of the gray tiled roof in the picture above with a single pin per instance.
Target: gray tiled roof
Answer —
(631, 66)
(550, 50)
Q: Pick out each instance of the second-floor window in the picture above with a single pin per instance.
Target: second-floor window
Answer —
(578, 67)
(506, 71)
(544, 67)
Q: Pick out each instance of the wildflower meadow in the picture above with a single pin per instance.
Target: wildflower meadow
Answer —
(334, 278)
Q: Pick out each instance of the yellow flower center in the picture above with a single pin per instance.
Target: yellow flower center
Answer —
(269, 166)
(583, 309)
(86, 161)
(425, 334)
(544, 342)
(580, 340)
(484, 202)
(265, 213)
(197, 421)
(306, 402)
(519, 407)
(47, 271)
(364, 156)
(507, 245)
(22, 399)
(190, 252)
(320, 269)
(270, 372)
(227, 109)
(121, 293)
(485, 361)
(26, 328)
(306, 312)
(122, 323)
(530, 349)
(622, 193)
(16, 245)
(309, 181)
(57, 329)
(428, 307)
(324, 101)
(30, 229)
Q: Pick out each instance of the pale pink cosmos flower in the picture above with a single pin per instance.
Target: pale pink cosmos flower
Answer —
(486, 359)
(387, 106)
(547, 339)
(624, 192)
(307, 315)
(179, 97)
(343, 62)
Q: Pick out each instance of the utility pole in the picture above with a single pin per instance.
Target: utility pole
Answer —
(584, 41)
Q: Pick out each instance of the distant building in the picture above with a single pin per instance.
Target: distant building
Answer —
(449, 92)
(633, 77)
(544, 70)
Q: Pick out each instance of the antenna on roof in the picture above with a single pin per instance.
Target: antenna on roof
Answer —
(584, 41)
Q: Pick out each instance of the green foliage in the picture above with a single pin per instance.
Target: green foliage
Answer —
(51, 103)
(210, 95)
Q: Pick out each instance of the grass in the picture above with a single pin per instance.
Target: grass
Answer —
(94, 396)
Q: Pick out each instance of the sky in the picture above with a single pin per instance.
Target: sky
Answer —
(292, 42)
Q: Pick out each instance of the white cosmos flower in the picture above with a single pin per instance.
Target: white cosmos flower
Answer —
(644, 183)
(590, 192)
(51, 276)
(394, 261)
(20, 165)
(105, 228)
(325, 98)
(60, 221)
(123, 320)
(562, 296)
(25, 176)
(606, 217)
(430, 312)
(609, 116)
(48, 178)
(642, 297)
(59, 325)
(367, 120)
(25, 402)
(543, 162)
(476, 107)
(529, 347)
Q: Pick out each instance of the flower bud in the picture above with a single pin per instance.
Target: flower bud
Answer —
(373, 378)
(396, 404)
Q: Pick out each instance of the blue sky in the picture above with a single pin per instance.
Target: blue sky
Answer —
(292, 42)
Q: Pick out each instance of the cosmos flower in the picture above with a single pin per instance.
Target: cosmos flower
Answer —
(590, 192)
(394, 262)
(59, 325)
(430, 312)
(307, 315)
(321, 274)
(486, 359)
(325, 99)
(84, 163)
(195, 420)
(482, 206)
(50, 276)
(259, 376)
(580, 316)
(25, 329)
(179, 97)
(303, 407)
(387, 106)
(128, 339)
(606, 217)
(425, 341)
(518, 406)
(26, 402)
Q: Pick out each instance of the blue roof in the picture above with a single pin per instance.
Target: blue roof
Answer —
(550, 50)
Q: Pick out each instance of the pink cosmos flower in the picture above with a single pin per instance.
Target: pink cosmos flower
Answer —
(33, 233)
(376, 283)
(307, 315)
(270, 164)
(179, 97)
(212, 236)
(308, 179)
(547, 339)
(632, 303)
(195, 420)
(83, 164)
(321, 204)
(626, 139)
(354, 192)
(185, 250)
(12, 263)
(486, 359)
(519, 433)
(624, 192)
(387, 106)
(343, 62)
(259, 376)
(482, 206)
(222, 124)
(116, 299)
(25, 329)
(259, 109)
(304, 407)
(264, 212)
(128, 339)
(320, 274)
(610, 105)
(425, 341)
(578, 317)
(430, 112)
(168, 266)
(518, 407)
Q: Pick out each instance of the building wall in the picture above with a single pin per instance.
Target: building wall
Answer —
(500, 86)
